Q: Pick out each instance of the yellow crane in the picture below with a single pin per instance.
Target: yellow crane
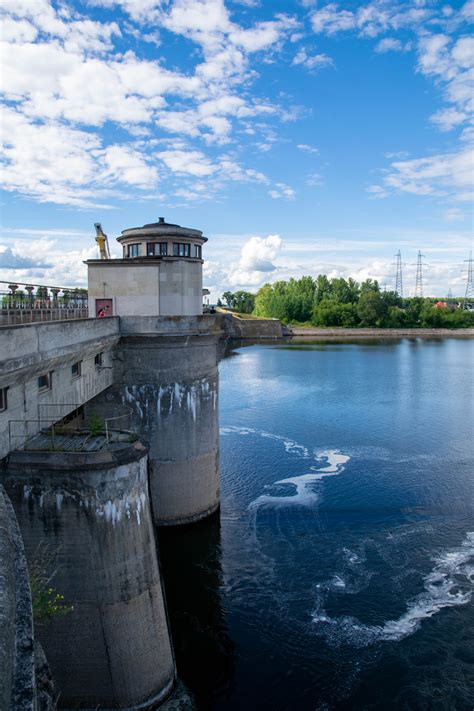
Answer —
(102, 241)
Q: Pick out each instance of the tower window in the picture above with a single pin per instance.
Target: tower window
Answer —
(76, 369)
(99, 360)
(197, 252)
(157, 249)
(181, 249)
(133, 250)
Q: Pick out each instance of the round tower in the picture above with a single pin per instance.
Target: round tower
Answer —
(159, 274)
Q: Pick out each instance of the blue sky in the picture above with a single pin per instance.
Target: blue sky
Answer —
(301, 137)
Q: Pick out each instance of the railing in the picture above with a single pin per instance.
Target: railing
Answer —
(28, 303)
(22, 433)
(126, 418)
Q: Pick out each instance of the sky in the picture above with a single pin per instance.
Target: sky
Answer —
(302, 137)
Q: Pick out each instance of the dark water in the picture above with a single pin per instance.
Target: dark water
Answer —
(340, 572)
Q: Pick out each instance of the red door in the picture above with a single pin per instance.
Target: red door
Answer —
(104, 307)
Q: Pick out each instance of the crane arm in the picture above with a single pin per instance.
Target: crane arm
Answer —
(102, 241)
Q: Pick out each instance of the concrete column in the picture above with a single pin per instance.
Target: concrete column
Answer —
(172, 387)
(170, 383)
(91, 511)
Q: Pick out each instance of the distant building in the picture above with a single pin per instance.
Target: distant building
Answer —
(160, 273)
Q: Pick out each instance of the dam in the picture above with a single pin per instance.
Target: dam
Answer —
(108, 428)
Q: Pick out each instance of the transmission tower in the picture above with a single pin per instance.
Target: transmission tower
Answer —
(470, 284)
(399, 278)
(419, 275)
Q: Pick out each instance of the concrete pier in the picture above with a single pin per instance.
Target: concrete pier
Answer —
(170, 382)
(91, 511)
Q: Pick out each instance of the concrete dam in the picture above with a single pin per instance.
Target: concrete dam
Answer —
(109, 428)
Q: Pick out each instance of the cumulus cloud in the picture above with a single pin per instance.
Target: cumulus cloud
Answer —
(259, 253)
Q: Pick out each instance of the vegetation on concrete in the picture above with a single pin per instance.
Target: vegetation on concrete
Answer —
(96, 424)
(47, 602)
(346, 303)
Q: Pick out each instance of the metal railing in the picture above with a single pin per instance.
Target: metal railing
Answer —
(22, 433)
(126, 417)
(29, 303)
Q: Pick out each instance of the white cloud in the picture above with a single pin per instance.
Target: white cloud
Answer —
(330, 20)
(315, 61)
(447, 174)
(124, 165)
(282, 191)
(64, 77)
(390, 44)
(306, 148)
(190, 162)
(447, 119)
(259, 253)
(54, 163)
(314, 179)
(376, 192)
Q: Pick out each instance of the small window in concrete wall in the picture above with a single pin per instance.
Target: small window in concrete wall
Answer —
(45, 382)
(3, 399)
(197, 251)
(76, 369)
(99, 360)
(104, 307)
(133, 250)
(181, 249)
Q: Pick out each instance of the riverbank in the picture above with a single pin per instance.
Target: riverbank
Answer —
(385, 333)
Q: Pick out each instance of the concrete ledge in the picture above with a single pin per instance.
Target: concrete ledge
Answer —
(75, 461)
(252, 329)
(355, 333)
(206, 325)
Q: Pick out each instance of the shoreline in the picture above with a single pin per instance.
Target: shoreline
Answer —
(383, 333)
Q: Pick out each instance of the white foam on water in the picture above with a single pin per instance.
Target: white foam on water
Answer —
(449, 584)
(289, 444)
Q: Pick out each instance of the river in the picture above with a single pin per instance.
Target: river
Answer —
(340, 571)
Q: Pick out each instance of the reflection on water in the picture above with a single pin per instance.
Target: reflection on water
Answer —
(340, 575)
(190, 560)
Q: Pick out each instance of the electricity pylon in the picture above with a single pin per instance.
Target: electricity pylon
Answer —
(469, 285)
(399, 277)
(419, 276)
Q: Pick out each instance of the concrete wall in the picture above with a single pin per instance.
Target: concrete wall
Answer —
(30, 351)
(146, 286)
(17, 679)
(92, 512)
(133, 286)
(181, 287)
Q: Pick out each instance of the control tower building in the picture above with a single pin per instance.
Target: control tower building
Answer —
(160, 273)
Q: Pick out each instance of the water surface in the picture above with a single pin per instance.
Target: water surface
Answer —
(340, 572)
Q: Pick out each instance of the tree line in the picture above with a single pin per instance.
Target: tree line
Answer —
(343, 302)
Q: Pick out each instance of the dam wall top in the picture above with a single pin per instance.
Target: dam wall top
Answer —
(34, 344)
